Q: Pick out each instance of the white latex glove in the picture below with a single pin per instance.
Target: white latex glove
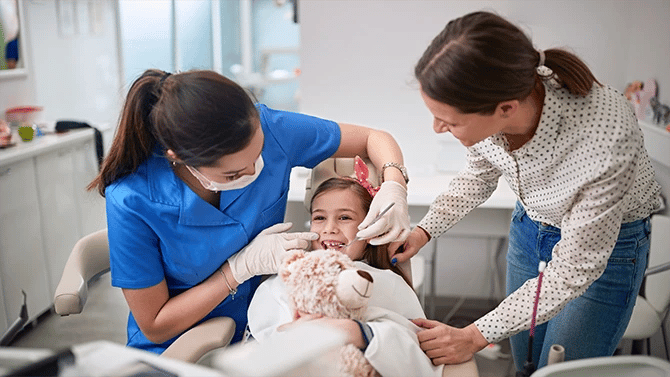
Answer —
(394, 225)
(264, 254)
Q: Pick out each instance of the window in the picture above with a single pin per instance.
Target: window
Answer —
(254, 42)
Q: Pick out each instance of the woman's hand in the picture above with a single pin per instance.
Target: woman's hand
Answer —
(393, 225)
(265, 253)
(403, 251)
(380, 147)
(449, 345)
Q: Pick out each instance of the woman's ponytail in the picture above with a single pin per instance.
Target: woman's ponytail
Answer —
(200, 115)
(481, 59)
(569, 71)
(134, 139)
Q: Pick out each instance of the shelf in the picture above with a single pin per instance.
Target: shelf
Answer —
(657, 142)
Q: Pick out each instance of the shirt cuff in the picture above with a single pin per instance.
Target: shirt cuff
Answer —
(492, 327)
(425, 225)
(367, 333)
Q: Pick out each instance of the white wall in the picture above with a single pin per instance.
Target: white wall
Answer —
(74, 77)
(358, 57)
(357, 66)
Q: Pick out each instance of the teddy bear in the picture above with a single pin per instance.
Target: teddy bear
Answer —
(326, 282)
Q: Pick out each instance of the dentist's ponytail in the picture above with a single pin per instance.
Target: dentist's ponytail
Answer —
(199, 115)
(134, 138)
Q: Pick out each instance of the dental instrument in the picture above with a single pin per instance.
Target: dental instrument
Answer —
(374, 221)
(529, 367)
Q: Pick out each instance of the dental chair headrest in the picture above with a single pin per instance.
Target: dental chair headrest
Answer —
(335, 167)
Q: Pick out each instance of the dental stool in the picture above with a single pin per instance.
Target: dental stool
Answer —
(89, 259)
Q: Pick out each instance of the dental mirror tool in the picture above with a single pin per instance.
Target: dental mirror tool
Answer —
(372, 223)
(529, 367)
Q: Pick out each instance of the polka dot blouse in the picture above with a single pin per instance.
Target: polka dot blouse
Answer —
(585, 171)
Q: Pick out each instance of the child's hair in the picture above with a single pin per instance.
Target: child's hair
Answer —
(200, 115)
(375, 256)
(481, 59)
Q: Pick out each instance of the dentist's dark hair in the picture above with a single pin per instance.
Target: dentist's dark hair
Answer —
(375, 256)
(200, 115)
(481, 59)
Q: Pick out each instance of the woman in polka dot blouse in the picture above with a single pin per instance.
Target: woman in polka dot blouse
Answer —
(572, 151)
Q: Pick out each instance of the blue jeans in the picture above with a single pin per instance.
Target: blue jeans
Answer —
(590, 325)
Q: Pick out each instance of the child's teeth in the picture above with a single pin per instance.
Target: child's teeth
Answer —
(332, 244)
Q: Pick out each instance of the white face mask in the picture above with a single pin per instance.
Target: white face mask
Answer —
(239, 183)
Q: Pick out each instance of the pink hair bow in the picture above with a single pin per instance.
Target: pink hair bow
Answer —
(362, 174)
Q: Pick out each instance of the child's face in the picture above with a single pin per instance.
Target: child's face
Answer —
(336, 215)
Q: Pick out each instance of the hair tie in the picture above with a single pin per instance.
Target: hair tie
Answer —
(541, 63)
(165, 76)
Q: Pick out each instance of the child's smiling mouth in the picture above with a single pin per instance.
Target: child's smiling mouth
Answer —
(331, 244)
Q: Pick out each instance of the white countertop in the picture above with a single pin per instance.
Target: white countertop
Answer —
(42, 144)
(421, 190)
(657, 142)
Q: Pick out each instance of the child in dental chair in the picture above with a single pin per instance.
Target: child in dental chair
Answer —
(338, 206)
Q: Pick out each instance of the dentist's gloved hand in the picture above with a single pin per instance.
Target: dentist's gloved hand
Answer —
(264, 254)
(394, 225)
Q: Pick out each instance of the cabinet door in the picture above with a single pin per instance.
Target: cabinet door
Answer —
(60, 222)
(22, 264)
(90, 205)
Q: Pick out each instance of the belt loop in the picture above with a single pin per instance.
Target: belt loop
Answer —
(647, 225)
(519, 211)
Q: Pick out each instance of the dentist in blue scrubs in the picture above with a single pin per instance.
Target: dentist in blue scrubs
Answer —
(196, 186)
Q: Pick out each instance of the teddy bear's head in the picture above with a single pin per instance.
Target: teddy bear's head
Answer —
(326, 282)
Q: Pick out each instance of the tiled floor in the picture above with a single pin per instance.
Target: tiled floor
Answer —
(103, 317)
(105, 314)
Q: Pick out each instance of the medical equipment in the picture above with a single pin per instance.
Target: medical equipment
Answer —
(653, 302)
(18, 324)
(49, 366)
(529, 367)
(374, 221)
(90, 258)
(606, 366)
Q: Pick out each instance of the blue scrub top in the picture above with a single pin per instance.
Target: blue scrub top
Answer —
(158, 228)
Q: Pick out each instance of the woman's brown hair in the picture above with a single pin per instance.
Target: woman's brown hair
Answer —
(376, 256)
(481, 59)
(200, 115)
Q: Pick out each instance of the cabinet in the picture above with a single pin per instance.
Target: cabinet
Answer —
(22, 264)
(44, 210)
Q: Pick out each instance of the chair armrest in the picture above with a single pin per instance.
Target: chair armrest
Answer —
(466, 369)
(89, 258)
(194, 343)
(657, 269)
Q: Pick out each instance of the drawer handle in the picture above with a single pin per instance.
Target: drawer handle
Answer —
(5, 172)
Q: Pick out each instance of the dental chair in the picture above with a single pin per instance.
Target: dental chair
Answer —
(89, 259)
(414, 268)
(608, 366)
(653, 302)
